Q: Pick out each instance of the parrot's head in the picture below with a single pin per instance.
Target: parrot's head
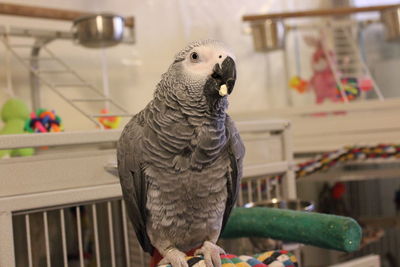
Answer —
(205, 68)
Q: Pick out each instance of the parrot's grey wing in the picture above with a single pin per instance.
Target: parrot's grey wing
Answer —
(133, 180)
(236, 152)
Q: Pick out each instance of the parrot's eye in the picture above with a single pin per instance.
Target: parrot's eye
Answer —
(194, 57)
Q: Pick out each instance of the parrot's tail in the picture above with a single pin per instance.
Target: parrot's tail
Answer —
(157, 257)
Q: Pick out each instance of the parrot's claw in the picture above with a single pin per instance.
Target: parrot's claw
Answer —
(174, 257)
(211, 253)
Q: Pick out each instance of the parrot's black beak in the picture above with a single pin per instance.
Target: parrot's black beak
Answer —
(222, 79)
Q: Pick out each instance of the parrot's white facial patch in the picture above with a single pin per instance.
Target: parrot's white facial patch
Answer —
(200, 61)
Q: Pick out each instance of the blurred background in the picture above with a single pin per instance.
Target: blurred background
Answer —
(333, 79)
(163, 27)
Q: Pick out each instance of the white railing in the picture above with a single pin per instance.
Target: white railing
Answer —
(62, 207)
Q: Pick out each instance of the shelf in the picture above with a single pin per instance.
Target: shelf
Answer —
(265, 169)
(78, 159)
(318, 12)
(58, 139)
(49, 13)
(99, 136)
(55, 171)
(327, 127)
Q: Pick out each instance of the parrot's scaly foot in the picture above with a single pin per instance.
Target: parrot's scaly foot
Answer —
(174, 257)
(211, 252)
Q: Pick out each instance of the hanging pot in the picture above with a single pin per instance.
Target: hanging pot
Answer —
(391, 20)
(98, 30)
(295, 204)
(268, 35)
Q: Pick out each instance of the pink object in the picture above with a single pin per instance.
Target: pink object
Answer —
(323, 81)
(39, 126)
(324, 86)
(366, 84)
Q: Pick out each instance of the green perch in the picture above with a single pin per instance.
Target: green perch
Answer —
(317, 229)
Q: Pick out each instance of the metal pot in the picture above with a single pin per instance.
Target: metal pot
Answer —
(295, 204)
(99, 30)
(391, 19)
(268, 35)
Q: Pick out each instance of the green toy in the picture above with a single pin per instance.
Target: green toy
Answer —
(14, 114)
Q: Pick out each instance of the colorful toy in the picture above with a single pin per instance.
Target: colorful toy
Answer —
(109, 122)
(323, 80)
(327, 160)
(366, 84)
(277, 258)
(298, 84)
(350, 87)
(14, 113)
(43, 121)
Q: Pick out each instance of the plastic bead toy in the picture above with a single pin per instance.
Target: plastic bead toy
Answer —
(43, 121)
(351, 88)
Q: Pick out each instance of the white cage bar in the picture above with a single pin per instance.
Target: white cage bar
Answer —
(79, 207)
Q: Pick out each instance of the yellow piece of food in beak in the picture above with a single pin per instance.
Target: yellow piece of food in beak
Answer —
(223, 90)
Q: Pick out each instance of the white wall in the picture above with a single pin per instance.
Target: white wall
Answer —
(163, 28)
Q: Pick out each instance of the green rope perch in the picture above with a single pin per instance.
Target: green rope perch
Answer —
(317, 229)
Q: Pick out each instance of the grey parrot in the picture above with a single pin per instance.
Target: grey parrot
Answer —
(180, 158)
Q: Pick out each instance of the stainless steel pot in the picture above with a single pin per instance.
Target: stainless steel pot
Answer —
(391, 19)
(99, 30)
(295, 204)
(268, 35)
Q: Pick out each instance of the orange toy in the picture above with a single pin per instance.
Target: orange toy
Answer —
(298, 84)
(109, 122)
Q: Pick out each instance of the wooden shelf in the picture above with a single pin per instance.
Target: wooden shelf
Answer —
(318, 12)
(48, 13)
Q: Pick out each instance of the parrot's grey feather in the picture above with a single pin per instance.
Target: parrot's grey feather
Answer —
(236, 152)
(180, 160)
(133, 181)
